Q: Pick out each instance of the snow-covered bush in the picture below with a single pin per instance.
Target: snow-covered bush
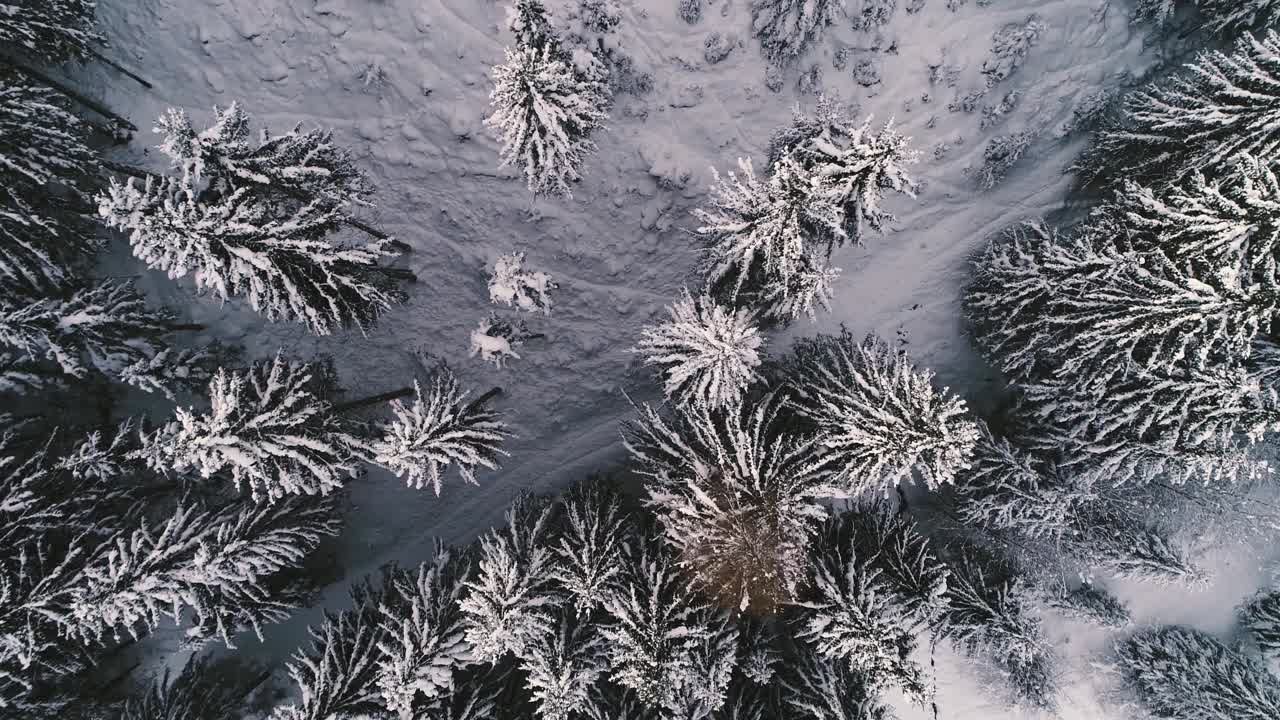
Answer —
(1199, 120)
(510, 603)
(1009, 49)
(876, 587)
(494, 341)
(990, 613)
(877, 419)
(438, 430)
(737, 496)
(1185, 674)
(285, 265)
(1158, 12)
(871, 15)
(765, 237)
(53, 30)
(709, 354)
(268, 427)
(511, 284)
(1000, 155)
(544, 114)
(787, 27)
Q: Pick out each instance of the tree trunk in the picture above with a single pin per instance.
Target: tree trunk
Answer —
(372, 400)
(257, 683)
(186, 327)
(491, 393)
(61, 87)
(120, 68)
(124, 169)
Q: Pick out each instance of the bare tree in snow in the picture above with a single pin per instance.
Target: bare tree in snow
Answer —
(878, 420)
(708, 353)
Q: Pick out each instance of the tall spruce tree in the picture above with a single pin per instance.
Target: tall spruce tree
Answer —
(54, 31)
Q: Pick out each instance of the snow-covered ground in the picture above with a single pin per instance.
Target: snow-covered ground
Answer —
(405, 84)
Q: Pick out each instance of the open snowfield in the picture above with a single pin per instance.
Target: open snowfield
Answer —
(405, 84)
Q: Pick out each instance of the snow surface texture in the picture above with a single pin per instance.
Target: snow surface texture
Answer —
(619, 249)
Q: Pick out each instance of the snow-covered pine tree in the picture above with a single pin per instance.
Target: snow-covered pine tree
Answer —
(1235, 17)
(990, 614)
(512, 599)
(766, 238)
(656, 627)
(109, 328)
(760, 661)
(828, 690)
(338, 676)
(708, 353)
(296, 167)
(1185, 425)
(1132, 549)
(852, 163)
(1092, 604)
(1014, 282)
(595, 532)
(54, 31)
(484, 694)
(215, 564)
(195, 694)
(437, 431)
(1186, 674)
(544, 114)
(528, 21)
(1156, 12)
(41, 143)
(787, 27)
(1228, 224)
(878, 420)
(715, 661)
(269, 427)
(423, 645)
(1261, 618)
(1009, 489)
(283, 263)
(562, 667)
(737, 495)
(876, 586)
(1199, 120)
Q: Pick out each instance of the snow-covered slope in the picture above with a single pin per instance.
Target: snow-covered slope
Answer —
(404, 83)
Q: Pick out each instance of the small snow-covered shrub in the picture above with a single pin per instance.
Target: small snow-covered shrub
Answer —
(1009, 49)
(878, 420)
(544, 114)
(511, 284)
(691, 11)
(870, 15)
(787, 27)
(1000, 155)
(1185, 674)
(494, 341)
(708, 353)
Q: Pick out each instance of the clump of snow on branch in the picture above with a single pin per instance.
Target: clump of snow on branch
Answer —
(707, 353)
(511, 284)
(436, 431)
